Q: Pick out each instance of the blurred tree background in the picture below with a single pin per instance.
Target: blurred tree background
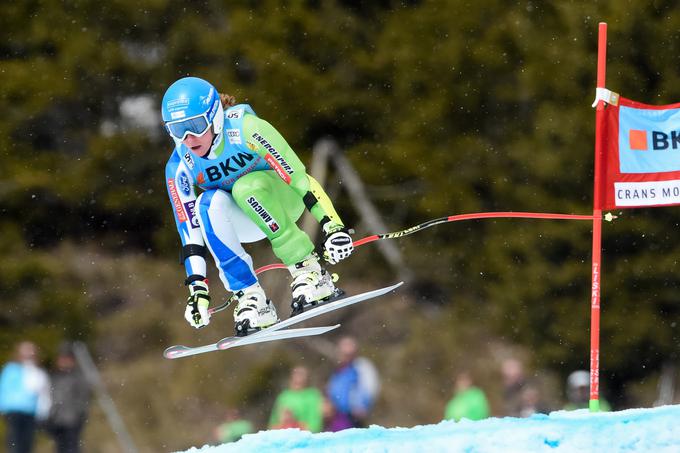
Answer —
(444, 107)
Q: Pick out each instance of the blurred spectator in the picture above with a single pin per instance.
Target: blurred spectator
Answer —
(578, 392)
(288, 420)
(531, 401)
(512, 372)
(24, 397)
(352, 388)
(328, 415)
(299, 406)
(468, 401)
(233, 427)
(70, 402)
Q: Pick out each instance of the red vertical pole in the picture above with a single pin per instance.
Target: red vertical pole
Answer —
(597, 227)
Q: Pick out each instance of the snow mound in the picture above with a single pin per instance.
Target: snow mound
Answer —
(634, 430)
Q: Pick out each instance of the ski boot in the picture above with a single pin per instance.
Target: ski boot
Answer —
(312, 285)
(253, 310)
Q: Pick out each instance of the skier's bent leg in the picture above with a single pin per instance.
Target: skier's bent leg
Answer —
(253, 309)
(234, 264)
(262, 198)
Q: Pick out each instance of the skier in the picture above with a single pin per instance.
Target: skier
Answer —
(252, 185)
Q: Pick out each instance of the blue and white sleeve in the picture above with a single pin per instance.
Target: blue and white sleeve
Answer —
(180, 185)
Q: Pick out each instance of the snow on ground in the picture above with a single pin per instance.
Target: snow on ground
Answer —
(635, 430)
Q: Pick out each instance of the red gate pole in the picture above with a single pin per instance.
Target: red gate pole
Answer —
(597, 227)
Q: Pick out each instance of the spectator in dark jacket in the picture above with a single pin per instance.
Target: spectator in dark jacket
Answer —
(70, 401)
(514, 381)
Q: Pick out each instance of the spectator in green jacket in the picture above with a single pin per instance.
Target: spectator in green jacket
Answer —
(299, 405)
(468, 401)
(233, 427)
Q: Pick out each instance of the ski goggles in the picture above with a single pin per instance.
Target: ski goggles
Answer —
(196, 125)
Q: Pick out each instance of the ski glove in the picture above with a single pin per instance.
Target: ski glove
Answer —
(338, 244)
(196, 312)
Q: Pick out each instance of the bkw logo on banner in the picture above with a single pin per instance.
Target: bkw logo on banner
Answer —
(642, 155)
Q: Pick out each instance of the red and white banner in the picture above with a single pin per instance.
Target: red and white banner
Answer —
(641, 155)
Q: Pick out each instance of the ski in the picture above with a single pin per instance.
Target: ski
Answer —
(178, 351)
(275, 332)
(313, 312)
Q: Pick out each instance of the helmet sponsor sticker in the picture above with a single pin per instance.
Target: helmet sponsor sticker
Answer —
(213, 109)
(177, 107)
(264, 215)
(234, 136)
(205, 100)
(178, 103)
(176, 202)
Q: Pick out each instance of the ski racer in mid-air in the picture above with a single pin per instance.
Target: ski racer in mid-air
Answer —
(233, 179)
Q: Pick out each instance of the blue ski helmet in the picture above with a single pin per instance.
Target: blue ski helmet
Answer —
(190, 106)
